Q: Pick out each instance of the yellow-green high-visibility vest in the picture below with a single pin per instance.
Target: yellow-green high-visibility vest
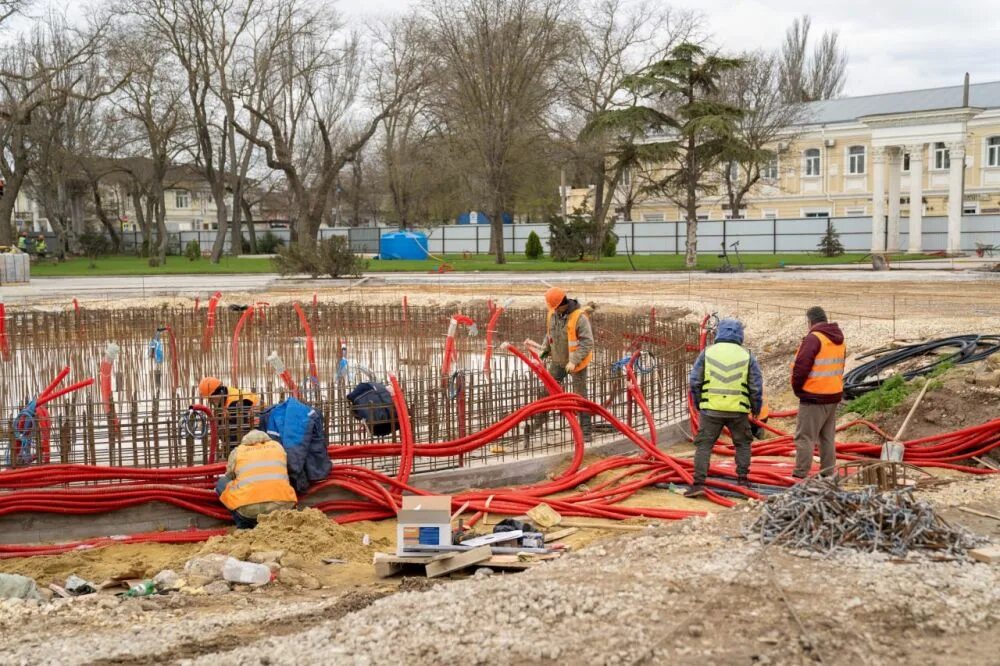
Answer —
(727, 366)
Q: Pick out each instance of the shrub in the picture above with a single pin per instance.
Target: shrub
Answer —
(609, 247)
(570, 236)
(332, 257)
(144, 249)
(829, 245)
(533, 248)
(193, 250)
(94, 245)
(269, 243)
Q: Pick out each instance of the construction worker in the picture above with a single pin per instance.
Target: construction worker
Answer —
(256, 480)
(22, 241)
(818, 383)
(727, 386)
(236, 404)
(568, 348)
(41, 248)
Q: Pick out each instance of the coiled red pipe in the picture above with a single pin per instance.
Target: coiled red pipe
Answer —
(310, 343)
(213, 303)
(235, 346)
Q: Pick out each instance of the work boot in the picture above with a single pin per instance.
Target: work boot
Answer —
(697, 490)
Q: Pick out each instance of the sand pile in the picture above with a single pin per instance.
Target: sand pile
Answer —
(308, 533)
(99, 564)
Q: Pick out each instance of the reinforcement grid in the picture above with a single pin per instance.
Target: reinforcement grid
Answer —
(149, 398)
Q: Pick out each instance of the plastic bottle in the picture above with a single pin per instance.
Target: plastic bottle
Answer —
(248, 573)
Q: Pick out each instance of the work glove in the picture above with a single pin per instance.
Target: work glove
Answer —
(569, 368)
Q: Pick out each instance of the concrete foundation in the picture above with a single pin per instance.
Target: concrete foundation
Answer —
(28, 528)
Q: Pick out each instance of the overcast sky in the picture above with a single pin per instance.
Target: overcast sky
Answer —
(892, 44)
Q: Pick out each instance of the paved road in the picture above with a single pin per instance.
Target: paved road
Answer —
(108, 288)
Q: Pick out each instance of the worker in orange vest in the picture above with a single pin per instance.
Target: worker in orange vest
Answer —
(237, 407)
(818, 382)
(568, 348)
(256, 480)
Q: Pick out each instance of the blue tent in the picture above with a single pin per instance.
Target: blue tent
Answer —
(403, 245)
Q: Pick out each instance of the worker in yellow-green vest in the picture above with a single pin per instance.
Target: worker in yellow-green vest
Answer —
(727, 387)
(568, 348)
(256, 480)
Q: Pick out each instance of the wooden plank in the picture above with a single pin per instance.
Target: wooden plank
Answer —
(387, 565)
(459, 561)
(512, 565)
(561, 534)
(601, 526)
(989, 554)
(977, 512)
(986, 462)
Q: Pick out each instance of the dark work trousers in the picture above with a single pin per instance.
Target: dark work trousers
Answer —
(578, 384)
(712, 424)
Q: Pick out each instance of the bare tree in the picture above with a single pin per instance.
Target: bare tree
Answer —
(755, 87)
(805, 79)
(497, 81)
(310, 68)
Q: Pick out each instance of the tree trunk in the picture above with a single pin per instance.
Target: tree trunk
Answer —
(143, 220)
(236, 230)
(109, 226)
(691, 201)
(222, 219)
(7, 203)
(159, 198)
(251, 232)
(496, 227)
(601, 225)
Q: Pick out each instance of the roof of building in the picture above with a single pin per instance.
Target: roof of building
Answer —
(847, 109)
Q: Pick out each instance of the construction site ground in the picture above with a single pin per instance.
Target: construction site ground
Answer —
(688, 592)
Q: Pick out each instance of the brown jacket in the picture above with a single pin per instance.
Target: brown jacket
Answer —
(559, 346)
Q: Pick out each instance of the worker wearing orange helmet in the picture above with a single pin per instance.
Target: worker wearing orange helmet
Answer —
(237, 405)
(568, 348)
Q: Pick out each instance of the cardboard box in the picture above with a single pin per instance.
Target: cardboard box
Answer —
(424, 520)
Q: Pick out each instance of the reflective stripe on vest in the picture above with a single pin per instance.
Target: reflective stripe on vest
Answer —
(261, 475)
(726, 387)
(573, 341)
(827, 374)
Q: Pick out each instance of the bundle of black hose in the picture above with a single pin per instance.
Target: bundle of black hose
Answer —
(968, 349)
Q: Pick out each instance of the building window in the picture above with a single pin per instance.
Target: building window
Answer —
(858, 211)
(856, 160)
(682, 216)
(942, 160)
(813, 164)
(906, 163)
(815, 212)
(993, 151)
(626, 177)
(970, 208)
(742, 215)
(770, 172)
(182, 199)
(652, 217)
(770, 213)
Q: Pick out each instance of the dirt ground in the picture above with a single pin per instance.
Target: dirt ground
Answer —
(694, 591)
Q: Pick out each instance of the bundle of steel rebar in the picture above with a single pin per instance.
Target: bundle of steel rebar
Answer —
(819, 515)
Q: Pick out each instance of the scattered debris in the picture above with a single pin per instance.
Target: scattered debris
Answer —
(14, 586)
(819, 515)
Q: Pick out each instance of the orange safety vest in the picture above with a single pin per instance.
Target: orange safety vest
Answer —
(573, 340)
(827, 374)
(235, 395)
(261, 472)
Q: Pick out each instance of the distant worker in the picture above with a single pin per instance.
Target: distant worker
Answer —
(727, 387)
(22, 242)
(256, 480)
(236, 404)
(818, 383)
(568, 348)
(41, 248)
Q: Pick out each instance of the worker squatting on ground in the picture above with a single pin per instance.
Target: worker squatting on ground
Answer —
(256, 480)
(41, 248)
(818, 383)
(568, 349)
(727, 386)
(238, 406)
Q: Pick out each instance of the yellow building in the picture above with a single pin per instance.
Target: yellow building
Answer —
(874, 156)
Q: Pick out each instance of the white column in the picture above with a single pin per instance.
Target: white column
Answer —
(895, 157)
(956, 154)
(878, 200)
(916, 245)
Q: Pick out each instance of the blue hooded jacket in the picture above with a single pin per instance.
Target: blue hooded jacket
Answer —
(730, 330)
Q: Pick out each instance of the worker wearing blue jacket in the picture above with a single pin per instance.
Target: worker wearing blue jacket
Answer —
(727, 387)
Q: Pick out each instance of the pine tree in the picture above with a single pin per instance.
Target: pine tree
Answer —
(830, 245)
(533, 247)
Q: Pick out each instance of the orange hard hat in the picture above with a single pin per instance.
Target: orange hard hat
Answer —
(208, 385)
(554, 297)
